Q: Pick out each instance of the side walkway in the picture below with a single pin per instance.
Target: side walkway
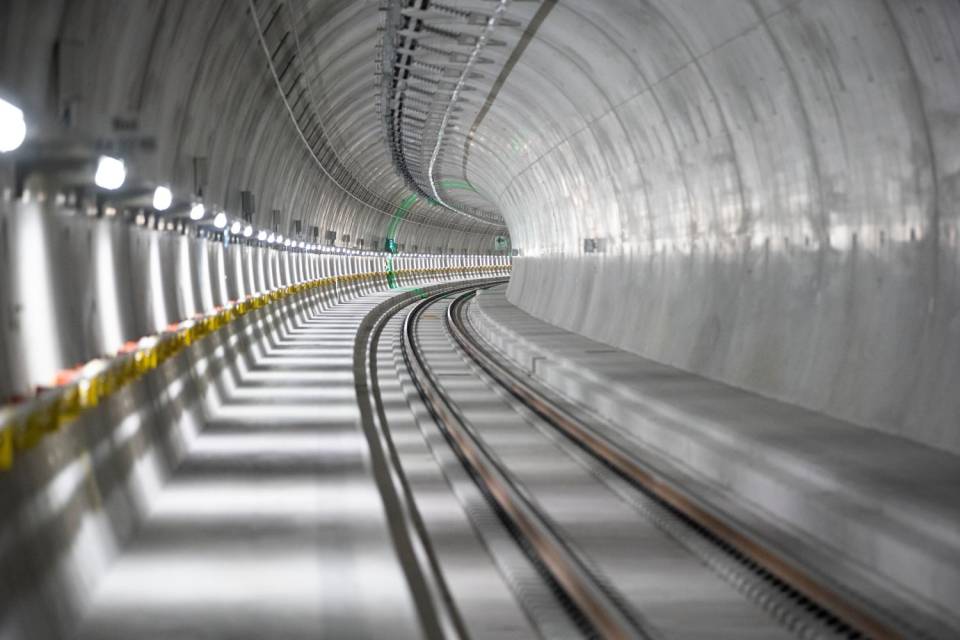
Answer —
(887, 503)
(272, 526)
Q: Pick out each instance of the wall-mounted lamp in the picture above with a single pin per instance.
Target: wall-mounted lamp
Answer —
(162, 198)
(13, 128)
(111, 172)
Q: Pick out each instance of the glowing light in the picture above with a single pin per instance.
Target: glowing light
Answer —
(247, 231)
(271, 238)
(162, 198)
(13, 129)
(197, 211)
(220, 220)
(110, 174)
(236, 227)
(262, 235)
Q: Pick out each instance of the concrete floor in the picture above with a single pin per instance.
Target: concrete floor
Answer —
(272, 526)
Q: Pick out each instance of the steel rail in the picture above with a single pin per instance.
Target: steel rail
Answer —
(844, 608)
(436, 609)
(601, 613)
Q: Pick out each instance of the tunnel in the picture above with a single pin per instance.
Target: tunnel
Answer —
(479, 319)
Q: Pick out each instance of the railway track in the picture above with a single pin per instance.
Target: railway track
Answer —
(622, 550)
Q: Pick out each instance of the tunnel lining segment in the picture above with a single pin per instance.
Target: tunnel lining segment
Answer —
(353, 189)
(525, 39)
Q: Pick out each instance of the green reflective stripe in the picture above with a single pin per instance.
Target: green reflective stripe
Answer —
(399, 215)
(391, 239)
(407, 203)
(391, 274)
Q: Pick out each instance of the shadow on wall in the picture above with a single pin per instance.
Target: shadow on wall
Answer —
(74, 288)
(76, 491)
(75, 498)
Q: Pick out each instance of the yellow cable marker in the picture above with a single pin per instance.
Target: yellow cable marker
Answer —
(24, 429)
(69, 405)
(37, 425)
(89, 396)
(6, 447)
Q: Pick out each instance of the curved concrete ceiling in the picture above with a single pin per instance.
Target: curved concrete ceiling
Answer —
(762, 191)
(165, 83)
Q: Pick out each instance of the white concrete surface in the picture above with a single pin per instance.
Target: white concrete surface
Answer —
(885, 502)
(272, 525)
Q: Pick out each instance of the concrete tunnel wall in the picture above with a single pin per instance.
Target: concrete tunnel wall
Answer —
(773, 188)
(771, 185)
(163, 83)
(767, 188)
(74, 287)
